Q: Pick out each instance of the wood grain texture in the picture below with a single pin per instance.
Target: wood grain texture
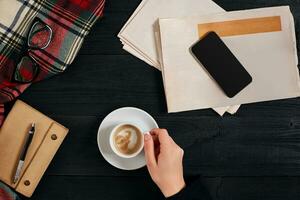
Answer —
(254, 154)
(131, 188)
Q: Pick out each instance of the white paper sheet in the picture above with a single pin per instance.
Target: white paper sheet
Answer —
(136, 54)
(221, 110)
(126, 45)
(140, 6)
(139, 32)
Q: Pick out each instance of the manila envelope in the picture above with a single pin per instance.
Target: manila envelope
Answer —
(264, 42)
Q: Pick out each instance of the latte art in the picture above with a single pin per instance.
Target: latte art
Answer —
(127, 139)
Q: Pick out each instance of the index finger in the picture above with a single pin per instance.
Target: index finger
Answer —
(161, 134)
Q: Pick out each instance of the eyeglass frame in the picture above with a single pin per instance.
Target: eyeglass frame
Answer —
(27, 48)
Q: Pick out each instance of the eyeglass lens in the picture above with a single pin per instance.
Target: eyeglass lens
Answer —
(26, 70)
(39, 36)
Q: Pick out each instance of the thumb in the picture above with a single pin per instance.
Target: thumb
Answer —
(149, 153)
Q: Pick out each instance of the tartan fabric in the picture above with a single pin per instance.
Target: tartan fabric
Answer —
(6, 193)
(70, 21)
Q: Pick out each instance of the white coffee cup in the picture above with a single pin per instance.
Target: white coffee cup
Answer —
(124, 136)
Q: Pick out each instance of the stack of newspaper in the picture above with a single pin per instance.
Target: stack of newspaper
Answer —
(160, 32)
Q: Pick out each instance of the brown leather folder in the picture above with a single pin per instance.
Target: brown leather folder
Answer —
(47, 139)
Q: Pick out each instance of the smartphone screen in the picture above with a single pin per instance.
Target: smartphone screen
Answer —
(221, 64)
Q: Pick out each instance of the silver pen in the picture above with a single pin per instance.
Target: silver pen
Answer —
(23, 154)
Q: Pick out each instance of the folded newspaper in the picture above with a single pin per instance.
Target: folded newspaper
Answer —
(138, 36)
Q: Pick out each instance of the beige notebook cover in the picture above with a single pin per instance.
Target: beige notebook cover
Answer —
(47, 138)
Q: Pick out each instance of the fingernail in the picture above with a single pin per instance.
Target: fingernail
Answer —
(147, 136)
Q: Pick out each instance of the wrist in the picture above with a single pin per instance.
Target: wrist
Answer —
(172, 189)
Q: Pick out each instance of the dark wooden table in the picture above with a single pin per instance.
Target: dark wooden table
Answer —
(254, 154)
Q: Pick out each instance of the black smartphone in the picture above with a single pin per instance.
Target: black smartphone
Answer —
(221, 64)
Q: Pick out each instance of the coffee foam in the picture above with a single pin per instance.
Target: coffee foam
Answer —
(127, 139)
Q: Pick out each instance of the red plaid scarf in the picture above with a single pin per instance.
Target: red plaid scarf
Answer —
(70, 20)
(6, 193)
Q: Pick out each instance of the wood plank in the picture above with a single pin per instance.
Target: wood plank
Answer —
(97, 84)
(96, 188)
(135, 188)
(267, 188)
(127, 6)
(213, 147)
(262, 139)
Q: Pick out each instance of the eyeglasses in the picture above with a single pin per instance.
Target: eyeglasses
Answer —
(38, 38)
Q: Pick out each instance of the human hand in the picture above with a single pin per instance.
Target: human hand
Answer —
(164, 161)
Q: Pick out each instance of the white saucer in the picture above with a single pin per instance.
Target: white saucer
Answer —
(123, 115)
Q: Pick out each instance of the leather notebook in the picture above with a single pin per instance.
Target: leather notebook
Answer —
(47, 139)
